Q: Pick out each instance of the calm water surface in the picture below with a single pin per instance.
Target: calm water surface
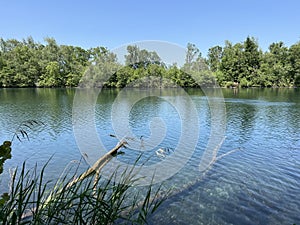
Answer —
(258, 184)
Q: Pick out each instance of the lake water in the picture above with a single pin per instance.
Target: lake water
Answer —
(257, 183)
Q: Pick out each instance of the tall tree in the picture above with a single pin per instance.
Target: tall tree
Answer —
(231, 63)
(191, 52)
(73, 62)
(141, 58)
(240, 62)
(132, 56)
(214, 58)
(195, 68)
(252, 57)
(102, 71)
(294, 75)
(275, 66)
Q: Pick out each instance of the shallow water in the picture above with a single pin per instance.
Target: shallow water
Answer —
(257, 184)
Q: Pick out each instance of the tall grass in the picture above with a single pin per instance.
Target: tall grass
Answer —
(85, 199)
(32, 200)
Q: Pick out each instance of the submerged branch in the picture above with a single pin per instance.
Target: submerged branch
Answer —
(94, 170)
(101, 162)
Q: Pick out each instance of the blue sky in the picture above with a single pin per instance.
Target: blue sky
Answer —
(114, 23)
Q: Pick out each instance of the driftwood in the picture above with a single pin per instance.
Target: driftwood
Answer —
(160, 195)
(101, 162)
(96, 168)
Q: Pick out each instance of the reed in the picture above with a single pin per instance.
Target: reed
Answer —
(88, 198)
(32, 200)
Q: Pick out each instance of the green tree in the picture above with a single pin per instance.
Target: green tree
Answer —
(294, 53)
(50, 66)
(252, 57)
(122, 77)
(173, 74)
(7, 70)
(51, 77)
(214, 58)
(231, 64)
(275, 68)
(241, 62)
(19, 63)
(196, 69)
(132, 56)
(191, 52)
(73, 63)
(103, 69)
(140, 58)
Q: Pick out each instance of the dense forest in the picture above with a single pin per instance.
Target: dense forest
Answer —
(28, 63)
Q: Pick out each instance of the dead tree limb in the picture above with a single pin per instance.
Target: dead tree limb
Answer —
(101, 162)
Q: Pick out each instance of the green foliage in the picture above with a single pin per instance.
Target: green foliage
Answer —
(244, 83)
(294, 53)
(192, 52)
(244, 63)
(5, 153)
(229, 84)
(137, 58)
(297, 81)
(29, 64)
(90, 201)
(240, 62)
(214, 58)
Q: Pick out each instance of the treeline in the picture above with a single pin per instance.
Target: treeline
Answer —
(246, 64)
(27, 63)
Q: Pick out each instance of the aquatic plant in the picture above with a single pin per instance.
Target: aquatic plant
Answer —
(85, 199)
(33, 201)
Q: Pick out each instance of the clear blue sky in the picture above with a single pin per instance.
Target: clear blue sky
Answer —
(113, 23)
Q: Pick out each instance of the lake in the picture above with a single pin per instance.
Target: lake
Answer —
(257, 182)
